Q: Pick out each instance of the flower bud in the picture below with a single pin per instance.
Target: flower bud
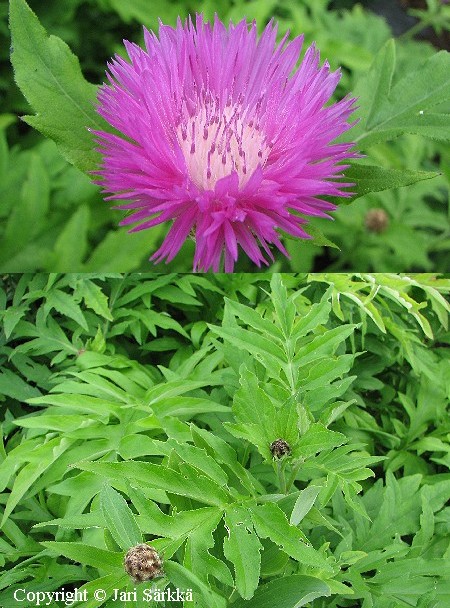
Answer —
(376, 220)
(280, 448)
(143, 563)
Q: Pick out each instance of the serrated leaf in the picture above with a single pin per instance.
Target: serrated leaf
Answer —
(119, 518)
(317, 314)
(200, 460)
(318, 237)
(253, 319)
(226, 455)
(65, 305)
(194, 486)
(292, 591)
(242, 548)
(316, 439)
(198, 558)
(251, 404)
(270, 522)
(284, 306)
(183, 578)
(370, 178)
(406, 107)
(49, 75)
(14, 386)
(42, 457)
(324, 344)
(86, 554)
(12, 316)
(94, 298)
(261, 347)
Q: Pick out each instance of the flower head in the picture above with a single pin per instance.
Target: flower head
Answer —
(143, 563)
(223, 134)
(280, 448)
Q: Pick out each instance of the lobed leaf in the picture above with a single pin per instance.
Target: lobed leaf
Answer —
(242, 548)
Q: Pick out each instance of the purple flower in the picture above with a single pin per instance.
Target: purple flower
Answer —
(225, 136)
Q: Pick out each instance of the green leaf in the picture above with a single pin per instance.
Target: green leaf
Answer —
(78, 522)
(380, 74)
(12, 316)
(287, 592)
(29, 215)
(387, 111)
(198, 558)
(323, 345)
(107, 583)
(304, 504)
(119, 518)
(186, 407)
(81, 403)
(226, 455)
(65, 305)
(200, 460)
(317, 314)
(180, 525)
(14, 386)
(49, 75)
(251, 404)
(242, 548)
(319, 239)
(183, 578)
(369, 178)
(193, 486)
(41, 458)
(120, 251)
(148, 14)
(270, 522)
(94, 298)
(284, 306)
(86, 554)
(72, 242)
(286, 423)
(262, 348)
(252, 318)
(316, 439)
(51, 423)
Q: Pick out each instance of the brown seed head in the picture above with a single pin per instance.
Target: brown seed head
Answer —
(376, 220)
(280, 448)
(143, 563)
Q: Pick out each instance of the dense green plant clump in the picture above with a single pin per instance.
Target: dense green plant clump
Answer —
(275, 440)
(53, 218)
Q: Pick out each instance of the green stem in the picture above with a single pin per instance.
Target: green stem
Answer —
(413, 31)
(245, 455)
(293, 475)
(281, 477)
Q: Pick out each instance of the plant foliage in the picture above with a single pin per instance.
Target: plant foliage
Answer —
(144, 408)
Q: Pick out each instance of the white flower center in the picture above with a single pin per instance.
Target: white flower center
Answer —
(217, 141)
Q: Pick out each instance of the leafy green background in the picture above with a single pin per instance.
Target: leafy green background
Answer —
(142, 407)
(53, 218)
